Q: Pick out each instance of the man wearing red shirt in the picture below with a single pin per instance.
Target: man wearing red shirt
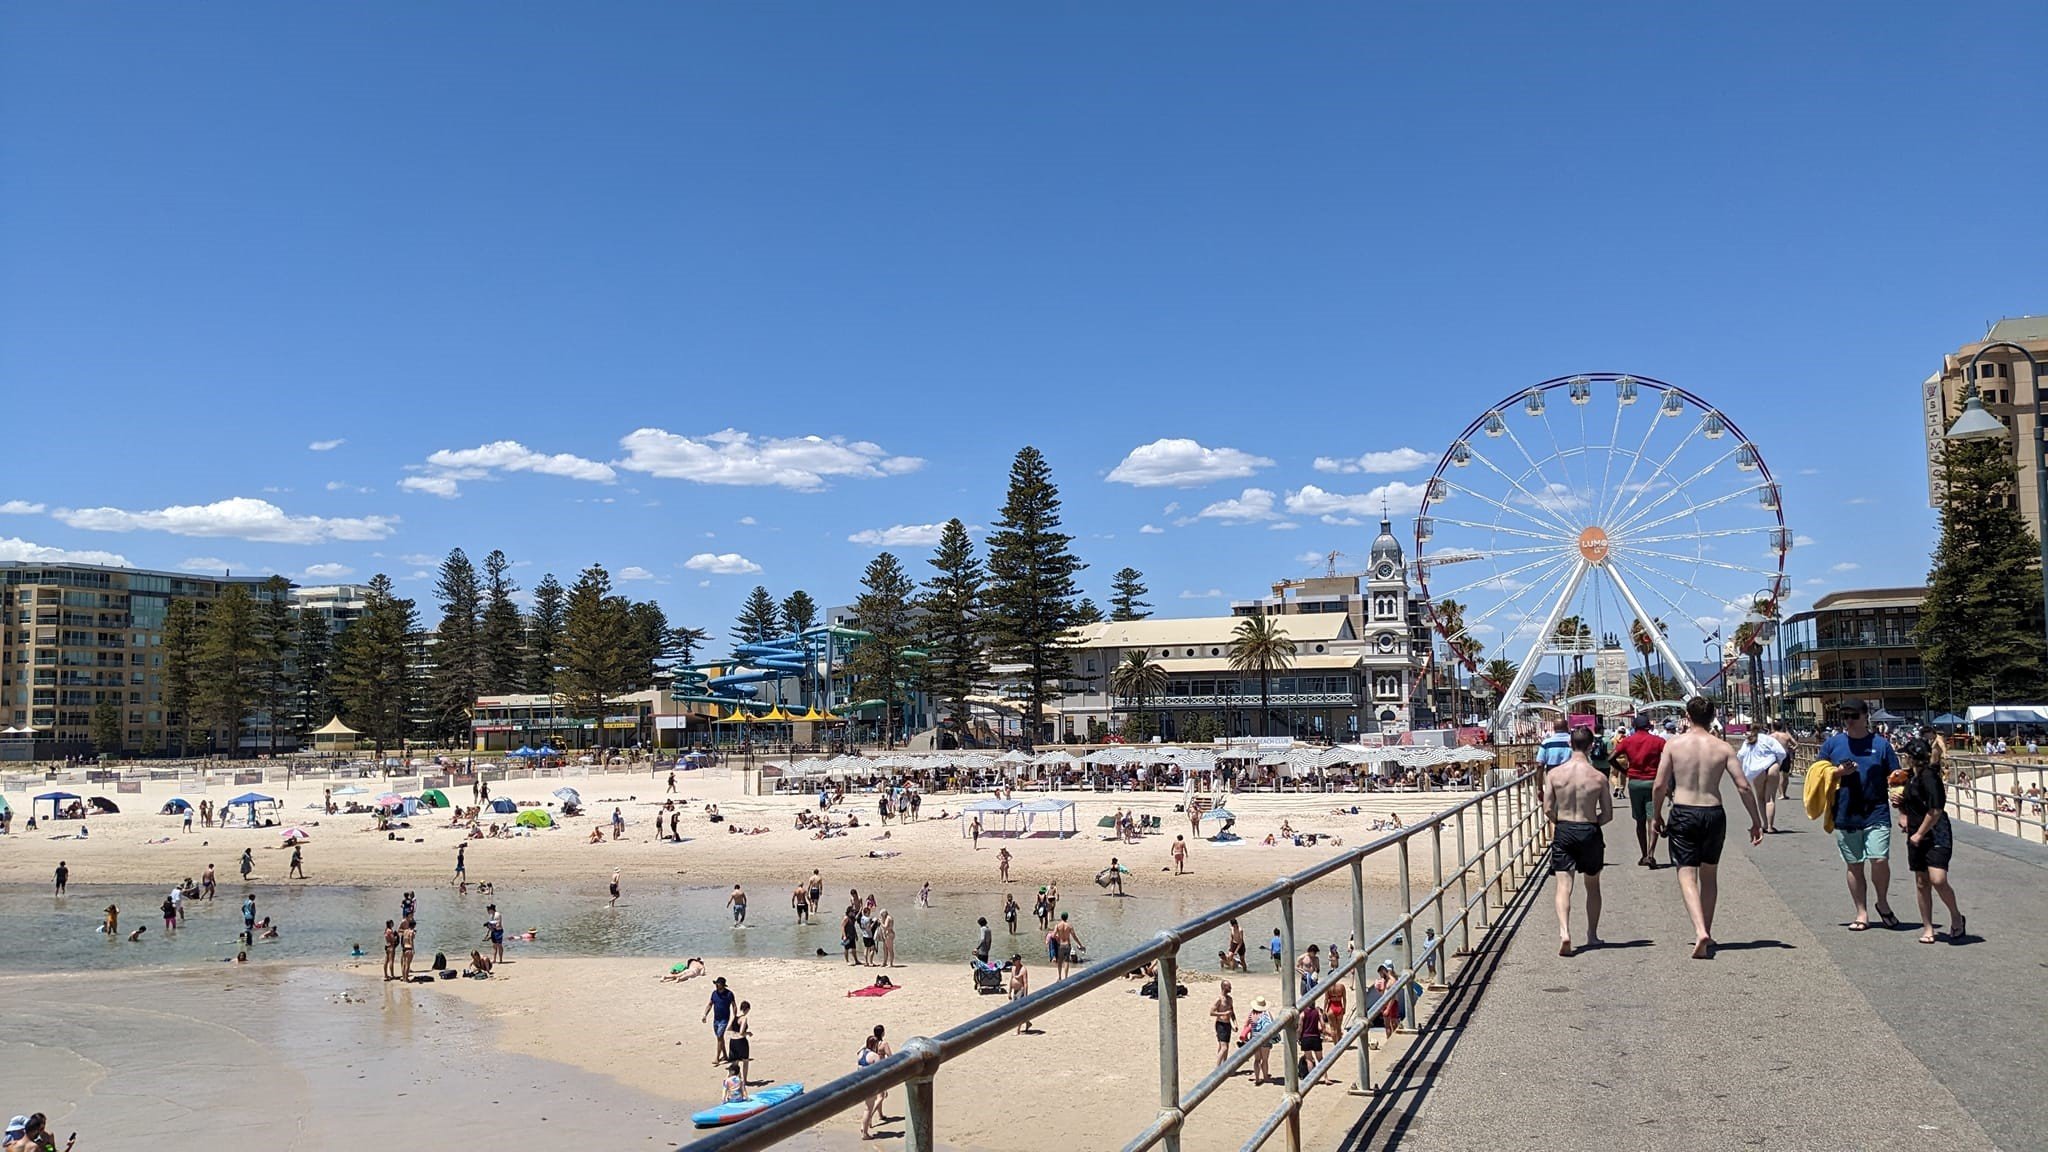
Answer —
(1641, 751)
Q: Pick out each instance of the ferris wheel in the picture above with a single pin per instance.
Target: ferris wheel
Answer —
(1595, 512)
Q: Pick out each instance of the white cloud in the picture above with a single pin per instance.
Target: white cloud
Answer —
(1311, 557)
(442, 486)
(19, 508)
(1211, 594)
(326, 445)
(1249, 505)
(1393, 460)
(1343, 521)
(1802, 541)
(747, 520)
(328, 571)
(1816, 580)
(802, 463)
(240, 517)
(446, 469)
(1282, 526)
(1809, 471)
(418, 558)
(208, 564)
(1181, 463)
(1857, 500)
(1396, 497)
(1170, 509)
(1554, 497)
(1151, 530)
(898, 535)
(1846, 566)
(722, 564)
(13, 548)
(703, 583)
(345, 486)
(635, 572)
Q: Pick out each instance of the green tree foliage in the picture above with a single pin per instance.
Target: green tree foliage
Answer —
(1138, 678)
(313, 660)
(1201, 728)
(1980, 630)
(952, 623)
(686, 641)
(278, 666)
(458, 649)
(229, 663)
(600, 647)
(502, 634)
(1127, 594)
(544, 633)
(1259, 645)
(373, 671)
(654, 643)
(181, 672)
(106, 727)
(1086, 611)
(1030, 601)
(799, 612)
(878, 666)
(760, 618)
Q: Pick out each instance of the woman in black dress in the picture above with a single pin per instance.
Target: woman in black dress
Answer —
(1929, 840)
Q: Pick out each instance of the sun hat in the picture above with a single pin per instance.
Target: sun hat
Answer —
(17, 1125)
(1258, 1005)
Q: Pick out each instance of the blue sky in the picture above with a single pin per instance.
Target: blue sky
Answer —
(329, 290)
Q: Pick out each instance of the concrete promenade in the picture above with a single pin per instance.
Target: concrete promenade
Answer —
(1797, 1034)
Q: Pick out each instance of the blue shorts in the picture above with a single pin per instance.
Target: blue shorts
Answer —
(1861, 844)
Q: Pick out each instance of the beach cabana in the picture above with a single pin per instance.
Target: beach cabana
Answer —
(102, 804)
(992, 812)
(1948, 720)
(175, 806)
(334, 736)
(435, 798)
(57, 802)
(503, 806)
(535, 818)
(1062, 819)
(523, 752)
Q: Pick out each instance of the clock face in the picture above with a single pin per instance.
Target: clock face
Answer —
(1386, 642)
(1386, 570)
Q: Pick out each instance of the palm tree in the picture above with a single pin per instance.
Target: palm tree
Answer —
(1259, 646)
(1499, 674)
(1574, 632)
(1644, 644)
(1451, 617)
(1137, 677)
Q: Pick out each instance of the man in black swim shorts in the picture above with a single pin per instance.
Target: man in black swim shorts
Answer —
(1690, 773)
(1578, 804)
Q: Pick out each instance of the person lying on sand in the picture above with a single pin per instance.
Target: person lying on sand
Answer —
(688, 970)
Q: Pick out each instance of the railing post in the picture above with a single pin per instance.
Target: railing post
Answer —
(1169, 1044)
(1499, 850)
(1358, 974)
(1407, 973)
(917, 1096)
(1465, 886)
(1290, 1076)
(1436, 864)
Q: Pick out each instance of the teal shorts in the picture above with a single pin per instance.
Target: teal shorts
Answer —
(1861, 844)
(1639, 793)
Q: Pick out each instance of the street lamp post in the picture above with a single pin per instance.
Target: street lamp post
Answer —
(1976, 424)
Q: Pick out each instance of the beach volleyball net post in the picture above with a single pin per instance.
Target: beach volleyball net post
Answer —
(1507, 836)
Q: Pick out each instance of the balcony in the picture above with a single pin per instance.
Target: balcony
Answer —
(1903, 681)
(1865, 640)
(1242, 701)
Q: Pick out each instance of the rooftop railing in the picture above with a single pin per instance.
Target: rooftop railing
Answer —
(1497, 838)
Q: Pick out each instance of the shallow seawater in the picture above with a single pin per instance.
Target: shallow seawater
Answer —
(321, 922)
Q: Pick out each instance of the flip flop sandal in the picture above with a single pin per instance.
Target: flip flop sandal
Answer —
(1890, 920)
(1858, 926)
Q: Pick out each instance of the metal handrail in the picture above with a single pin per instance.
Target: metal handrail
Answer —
(1504, 860)
(1974, 806)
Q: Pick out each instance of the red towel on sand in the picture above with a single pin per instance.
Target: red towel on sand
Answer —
(874, 990)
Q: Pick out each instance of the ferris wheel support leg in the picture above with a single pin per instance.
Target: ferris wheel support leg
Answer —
(1511, 700)
(1684, 674)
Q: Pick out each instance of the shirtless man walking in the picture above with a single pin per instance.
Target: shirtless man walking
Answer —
(1224, 1013)
(1065, 940)
(1690, 772)
(1578, 805)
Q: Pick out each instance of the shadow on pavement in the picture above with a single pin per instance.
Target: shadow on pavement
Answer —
(1405, 1086)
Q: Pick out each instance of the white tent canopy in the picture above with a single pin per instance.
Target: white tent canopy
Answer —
(1001, 810)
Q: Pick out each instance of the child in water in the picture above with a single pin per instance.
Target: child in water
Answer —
(735, 1088)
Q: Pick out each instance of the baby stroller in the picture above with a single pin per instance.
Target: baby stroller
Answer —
(988, 978)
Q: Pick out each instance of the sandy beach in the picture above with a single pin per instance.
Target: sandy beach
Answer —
(585, 998)
(1084, 1077)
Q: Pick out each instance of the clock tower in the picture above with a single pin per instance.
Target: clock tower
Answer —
(1389, 663)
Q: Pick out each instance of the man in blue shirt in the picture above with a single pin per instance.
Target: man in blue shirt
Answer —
(1552, 753)
(1864, 763)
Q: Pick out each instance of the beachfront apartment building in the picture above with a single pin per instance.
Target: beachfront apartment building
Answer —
(1857, 644)
(79, 636)
(2004, 382)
